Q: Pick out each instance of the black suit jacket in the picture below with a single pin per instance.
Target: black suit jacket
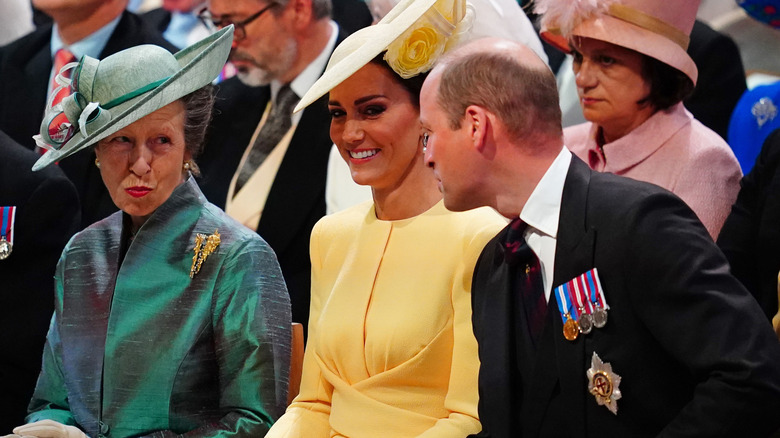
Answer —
(25, 66)
(721, 78)
(297, 197)
(695, 354)
(47, 216)
(750, 238)
(351, 15)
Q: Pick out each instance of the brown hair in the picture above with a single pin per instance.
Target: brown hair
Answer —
(524, 98)
(668, 86)
(197, 106)
(413, 85)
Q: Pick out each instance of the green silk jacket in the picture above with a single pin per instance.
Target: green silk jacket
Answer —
(137, 347)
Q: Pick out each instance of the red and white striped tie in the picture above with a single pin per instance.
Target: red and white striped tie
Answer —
(61, 58)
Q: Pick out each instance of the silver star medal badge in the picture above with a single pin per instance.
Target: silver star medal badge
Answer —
(603, 383)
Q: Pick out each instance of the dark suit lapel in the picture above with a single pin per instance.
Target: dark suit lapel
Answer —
(132, 31)
(299, 186)
(545, 377)
(494, 328)
(237, 112)
(573, 256)
(25, 87)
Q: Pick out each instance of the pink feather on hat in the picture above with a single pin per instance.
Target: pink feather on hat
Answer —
(565, 15)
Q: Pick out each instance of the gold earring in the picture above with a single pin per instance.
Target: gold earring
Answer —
(97, 162)
(186, 166)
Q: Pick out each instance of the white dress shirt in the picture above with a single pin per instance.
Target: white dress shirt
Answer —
(542, 212)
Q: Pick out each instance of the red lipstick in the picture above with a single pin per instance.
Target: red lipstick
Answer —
(138, 191)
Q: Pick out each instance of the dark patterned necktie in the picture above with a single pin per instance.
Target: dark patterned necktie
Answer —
(528, 277)
(276, 125)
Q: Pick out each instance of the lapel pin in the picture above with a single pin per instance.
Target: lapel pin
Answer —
(204, 246)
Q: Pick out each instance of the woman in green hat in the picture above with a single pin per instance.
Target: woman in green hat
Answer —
(170, 317)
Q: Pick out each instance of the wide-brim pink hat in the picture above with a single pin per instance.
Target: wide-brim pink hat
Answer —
(657, 28)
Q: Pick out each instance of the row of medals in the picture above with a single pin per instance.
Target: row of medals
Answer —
(585, 323)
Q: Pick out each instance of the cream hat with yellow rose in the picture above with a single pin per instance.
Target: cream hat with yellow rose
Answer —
(414, 34)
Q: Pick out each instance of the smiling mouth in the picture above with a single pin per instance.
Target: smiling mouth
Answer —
(358, 155)
(138, 192)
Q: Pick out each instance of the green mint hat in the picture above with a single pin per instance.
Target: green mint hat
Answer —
(110, 94)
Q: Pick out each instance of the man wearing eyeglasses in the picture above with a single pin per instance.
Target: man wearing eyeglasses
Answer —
(264, 165)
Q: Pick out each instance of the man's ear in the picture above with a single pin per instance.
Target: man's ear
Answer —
(302, 13)
(478, 125)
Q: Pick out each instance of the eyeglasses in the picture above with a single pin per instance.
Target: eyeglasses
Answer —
(239, 32)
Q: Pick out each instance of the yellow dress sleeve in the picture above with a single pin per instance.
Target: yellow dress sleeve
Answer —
(463, 395)
(308, 415)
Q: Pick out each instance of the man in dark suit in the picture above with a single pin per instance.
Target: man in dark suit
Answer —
(280, 47)
(751, 234)
(97, 28)
(47, 215)
(685, 350)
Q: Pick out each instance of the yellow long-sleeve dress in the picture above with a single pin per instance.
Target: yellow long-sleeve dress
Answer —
(391, 352)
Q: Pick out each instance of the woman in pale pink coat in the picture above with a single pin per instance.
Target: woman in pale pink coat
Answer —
(632, 73)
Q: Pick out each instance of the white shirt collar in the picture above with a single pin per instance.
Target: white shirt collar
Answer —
(91, 45)
(543, 208)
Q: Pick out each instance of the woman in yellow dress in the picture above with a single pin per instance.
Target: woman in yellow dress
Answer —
(391, 352)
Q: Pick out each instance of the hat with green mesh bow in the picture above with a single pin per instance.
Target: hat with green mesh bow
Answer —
(110, 94)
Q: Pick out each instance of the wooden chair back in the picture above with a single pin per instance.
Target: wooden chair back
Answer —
(296, 362)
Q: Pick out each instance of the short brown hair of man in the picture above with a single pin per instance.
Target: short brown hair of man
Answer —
(523, 97)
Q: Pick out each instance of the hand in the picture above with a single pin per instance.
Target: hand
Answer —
(49, 429)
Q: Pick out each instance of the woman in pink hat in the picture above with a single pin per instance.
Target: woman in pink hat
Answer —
(632, 73)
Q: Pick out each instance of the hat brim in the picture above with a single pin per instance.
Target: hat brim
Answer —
(200, 63)
(624, 34)
(361, 47)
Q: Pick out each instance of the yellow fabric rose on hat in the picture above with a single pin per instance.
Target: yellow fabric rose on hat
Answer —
(436, 32)
(415, 51)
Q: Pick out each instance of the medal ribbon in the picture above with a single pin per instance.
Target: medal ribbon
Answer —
(7, 227)
(564, 305)
(580, 291)
(575, 311)
(596, 291)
